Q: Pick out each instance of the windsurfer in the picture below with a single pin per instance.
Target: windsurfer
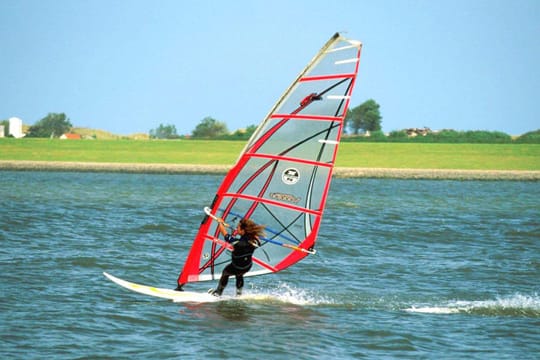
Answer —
(244, 241)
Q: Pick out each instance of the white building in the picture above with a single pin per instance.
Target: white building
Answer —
(2, 131)
(15, 127)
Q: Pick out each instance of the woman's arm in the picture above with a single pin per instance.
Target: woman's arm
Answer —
(222, 227)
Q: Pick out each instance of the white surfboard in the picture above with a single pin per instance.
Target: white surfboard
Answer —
(176, 296)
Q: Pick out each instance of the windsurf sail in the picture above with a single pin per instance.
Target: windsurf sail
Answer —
(282, 177)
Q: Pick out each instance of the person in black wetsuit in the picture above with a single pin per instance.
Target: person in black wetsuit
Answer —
(244, 241)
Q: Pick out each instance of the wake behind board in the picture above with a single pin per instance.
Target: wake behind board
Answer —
(176, 296)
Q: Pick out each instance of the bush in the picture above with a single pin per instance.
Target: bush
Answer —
(377, 136)
(398, 135)
(444, 136)
(492, 137)
(532, 137)
(468, 137)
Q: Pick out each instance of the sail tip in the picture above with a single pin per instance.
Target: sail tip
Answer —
(339, 34)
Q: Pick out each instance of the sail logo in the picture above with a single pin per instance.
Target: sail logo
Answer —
(290, 176)
(285, 197)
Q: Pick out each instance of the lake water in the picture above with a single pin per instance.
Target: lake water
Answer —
(404, 269)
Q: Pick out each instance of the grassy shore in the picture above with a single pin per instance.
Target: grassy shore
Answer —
(354, 159)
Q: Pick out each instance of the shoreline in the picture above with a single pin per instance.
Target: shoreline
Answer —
(339, 172)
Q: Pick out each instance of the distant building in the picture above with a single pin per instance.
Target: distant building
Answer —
(71, 137)
(413, 132)
(15, 128)
(2, 131)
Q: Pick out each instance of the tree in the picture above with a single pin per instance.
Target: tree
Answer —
(364, 117)
(52, 125)
(164, 132)
(210, 128)
(243, 134)
(347, 121)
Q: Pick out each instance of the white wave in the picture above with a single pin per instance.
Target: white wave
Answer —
(433, 310)
(516, 304)
(287, 294)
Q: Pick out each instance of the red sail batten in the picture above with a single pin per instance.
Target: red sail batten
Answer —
(306, 117)
(327, 77)
(291, 159)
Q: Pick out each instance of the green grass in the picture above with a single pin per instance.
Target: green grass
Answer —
(370, 155)
(121, 151)
(440, 156)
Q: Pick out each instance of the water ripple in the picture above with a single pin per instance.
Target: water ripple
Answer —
(404, 269)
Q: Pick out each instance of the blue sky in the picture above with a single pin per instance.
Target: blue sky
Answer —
(128, 66)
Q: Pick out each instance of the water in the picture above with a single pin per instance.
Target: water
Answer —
(404, 269)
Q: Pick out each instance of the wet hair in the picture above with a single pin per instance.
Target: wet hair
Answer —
(252, 230)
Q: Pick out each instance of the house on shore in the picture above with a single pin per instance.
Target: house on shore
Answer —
(15, 128)
(69, 136)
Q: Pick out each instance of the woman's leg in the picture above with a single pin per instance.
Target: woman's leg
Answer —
(223, 280)
(239, 283)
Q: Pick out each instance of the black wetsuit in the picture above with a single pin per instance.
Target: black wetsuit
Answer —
(240, 262)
